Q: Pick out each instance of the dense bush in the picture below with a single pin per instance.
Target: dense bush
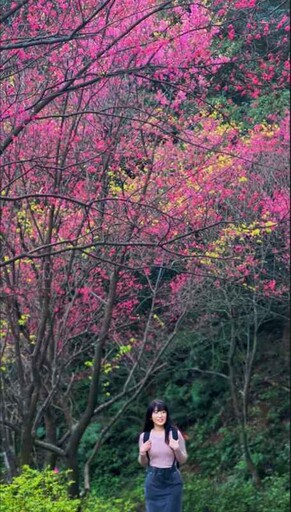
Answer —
(203, 494)
(36, 491)
(95, 504)
(47, 492)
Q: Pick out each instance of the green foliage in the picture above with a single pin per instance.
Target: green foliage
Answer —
(119, 452)
(109, 505)
(116, 495)
(190, 395)
(124, 504)
(213, 449)
(88, 440)
(32, 490)
(237, 495)
(246, 114)
(47, 492)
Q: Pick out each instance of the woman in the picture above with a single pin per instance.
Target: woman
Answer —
(160, 451)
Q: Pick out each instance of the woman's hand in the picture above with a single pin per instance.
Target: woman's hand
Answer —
(145, 447)
(173, 443)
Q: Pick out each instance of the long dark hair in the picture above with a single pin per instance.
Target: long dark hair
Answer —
(157, 405)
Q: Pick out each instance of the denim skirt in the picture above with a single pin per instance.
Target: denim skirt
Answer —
(163, 490)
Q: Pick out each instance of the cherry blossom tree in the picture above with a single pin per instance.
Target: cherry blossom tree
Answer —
(120, 179)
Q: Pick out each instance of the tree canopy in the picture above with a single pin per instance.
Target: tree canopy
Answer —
(144, 177)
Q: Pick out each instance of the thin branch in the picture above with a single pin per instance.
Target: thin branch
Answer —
(218, 374)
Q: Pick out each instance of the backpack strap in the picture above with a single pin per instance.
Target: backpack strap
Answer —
(174, 433)
(146, 436)
(175, 437)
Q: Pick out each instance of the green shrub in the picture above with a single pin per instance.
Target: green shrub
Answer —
(35, 491)
(94, 504)
(119, 496)
(213, 449)
(236, 495)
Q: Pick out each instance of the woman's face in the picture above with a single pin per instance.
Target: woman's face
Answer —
(159, 418)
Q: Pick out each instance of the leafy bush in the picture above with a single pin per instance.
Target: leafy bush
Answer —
(37, 491)
(201, 494)
(117, 496)
(94, 504)
(213, 449)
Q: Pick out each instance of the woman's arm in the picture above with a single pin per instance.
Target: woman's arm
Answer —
(143, 449)
(179, 448)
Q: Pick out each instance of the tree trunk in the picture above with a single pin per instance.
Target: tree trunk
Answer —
(248, 458)
(79, 429)
(9, 458)
(286, 342)
(239, 412)
(72, 464)
(26, 446)
(50, 458)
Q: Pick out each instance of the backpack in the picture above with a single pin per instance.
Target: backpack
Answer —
(146, 437)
